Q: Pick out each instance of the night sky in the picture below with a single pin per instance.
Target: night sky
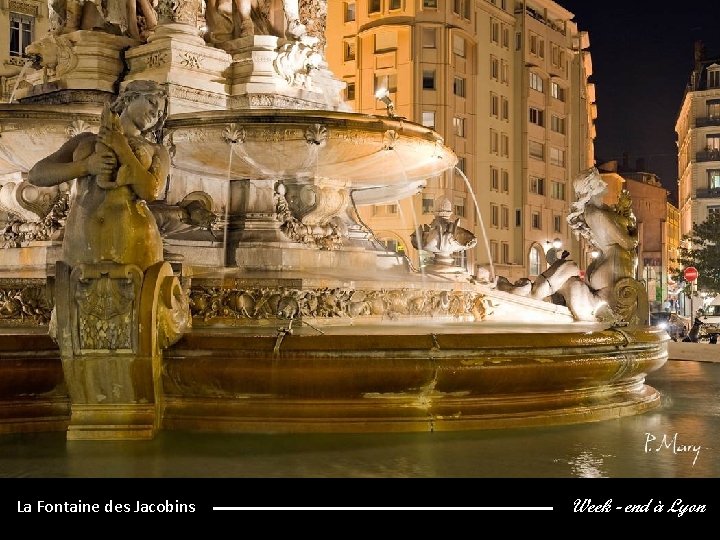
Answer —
(642, 55)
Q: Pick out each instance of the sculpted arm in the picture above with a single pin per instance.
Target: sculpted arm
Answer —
(74, 159)
(147, 183)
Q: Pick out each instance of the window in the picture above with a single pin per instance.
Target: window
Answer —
(557, 91)
(557, 224)
(505, 108)
(533, 43)
(713, 108)
(518, 41)
(713, 142)
(505, 217)
(459, 207)
(536, 220)
(432, 4)
(461, 164)
(385, 209)
(395, 4)
(385, 41)
(534, 259)
(386, 82)
(457, 7)
(494, 179)
(373, 6)
(506, 37)
(428, 79)
(536, 149)
(350, 91)
(505, 253)
(494, 68)
(557, 157)
(427, 205)
(505, 181)
(428, 119)
(504, 145)
(494, 141)
(494, 31)
(459, 86)
(349, 11)
(429, 39)
(504, 72)
(494, 105)
(349, 51)
(459, 45)
(714, 178)
(557, 124)
(537, 116)
(21, 33)
(494, 215)
(537, 185)
(557, 190)
(556, 55)
(713, 210)
(494, 250)
(518, 217)
(459, 126)
(536, 82)
(713, 77)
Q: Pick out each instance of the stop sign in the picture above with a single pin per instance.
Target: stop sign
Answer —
(690, 274)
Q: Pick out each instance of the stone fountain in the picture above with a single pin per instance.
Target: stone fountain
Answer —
(183, 250)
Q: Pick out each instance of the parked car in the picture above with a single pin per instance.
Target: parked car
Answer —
(670, 322)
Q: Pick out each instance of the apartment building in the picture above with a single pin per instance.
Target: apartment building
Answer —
(698, 140)
(506, 84)
(21, 22)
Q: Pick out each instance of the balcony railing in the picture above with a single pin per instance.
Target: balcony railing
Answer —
(708, 193)
(708, 155)
(707, 121)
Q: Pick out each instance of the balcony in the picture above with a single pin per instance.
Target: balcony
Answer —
(708, 193)
(708, 155)
(707, 121)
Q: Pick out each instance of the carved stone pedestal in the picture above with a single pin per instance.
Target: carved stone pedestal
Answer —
(192, 70)
(112, 322)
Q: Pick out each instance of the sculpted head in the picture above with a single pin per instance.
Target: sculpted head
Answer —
(145, 101)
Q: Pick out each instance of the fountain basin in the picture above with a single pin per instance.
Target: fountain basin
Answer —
(368, 151)
(394, 378)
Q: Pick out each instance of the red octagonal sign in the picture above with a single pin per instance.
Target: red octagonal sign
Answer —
(690, 274)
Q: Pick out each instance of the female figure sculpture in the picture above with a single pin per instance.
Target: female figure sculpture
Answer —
(117, 171)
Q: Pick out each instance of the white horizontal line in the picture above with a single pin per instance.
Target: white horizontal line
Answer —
(517, 508)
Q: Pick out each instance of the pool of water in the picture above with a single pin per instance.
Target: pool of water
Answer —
(681, 439)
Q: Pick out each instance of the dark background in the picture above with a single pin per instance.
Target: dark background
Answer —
(642, 56)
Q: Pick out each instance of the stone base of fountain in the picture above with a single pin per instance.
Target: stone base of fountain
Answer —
(355, 379)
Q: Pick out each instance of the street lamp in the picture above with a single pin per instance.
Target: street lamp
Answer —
(383, 95)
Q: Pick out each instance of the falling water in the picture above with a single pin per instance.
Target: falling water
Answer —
(416, 221)
(227, 204)
(19, 79)
(417, 233)
(482, 224)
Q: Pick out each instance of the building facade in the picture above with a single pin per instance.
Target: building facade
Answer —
(21, 22)
(698, 139)
(506, 84)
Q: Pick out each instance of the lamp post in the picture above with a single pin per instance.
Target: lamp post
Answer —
(383, 95)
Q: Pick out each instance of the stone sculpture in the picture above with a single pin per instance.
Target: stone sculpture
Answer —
(609, 290)
(443, 238)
